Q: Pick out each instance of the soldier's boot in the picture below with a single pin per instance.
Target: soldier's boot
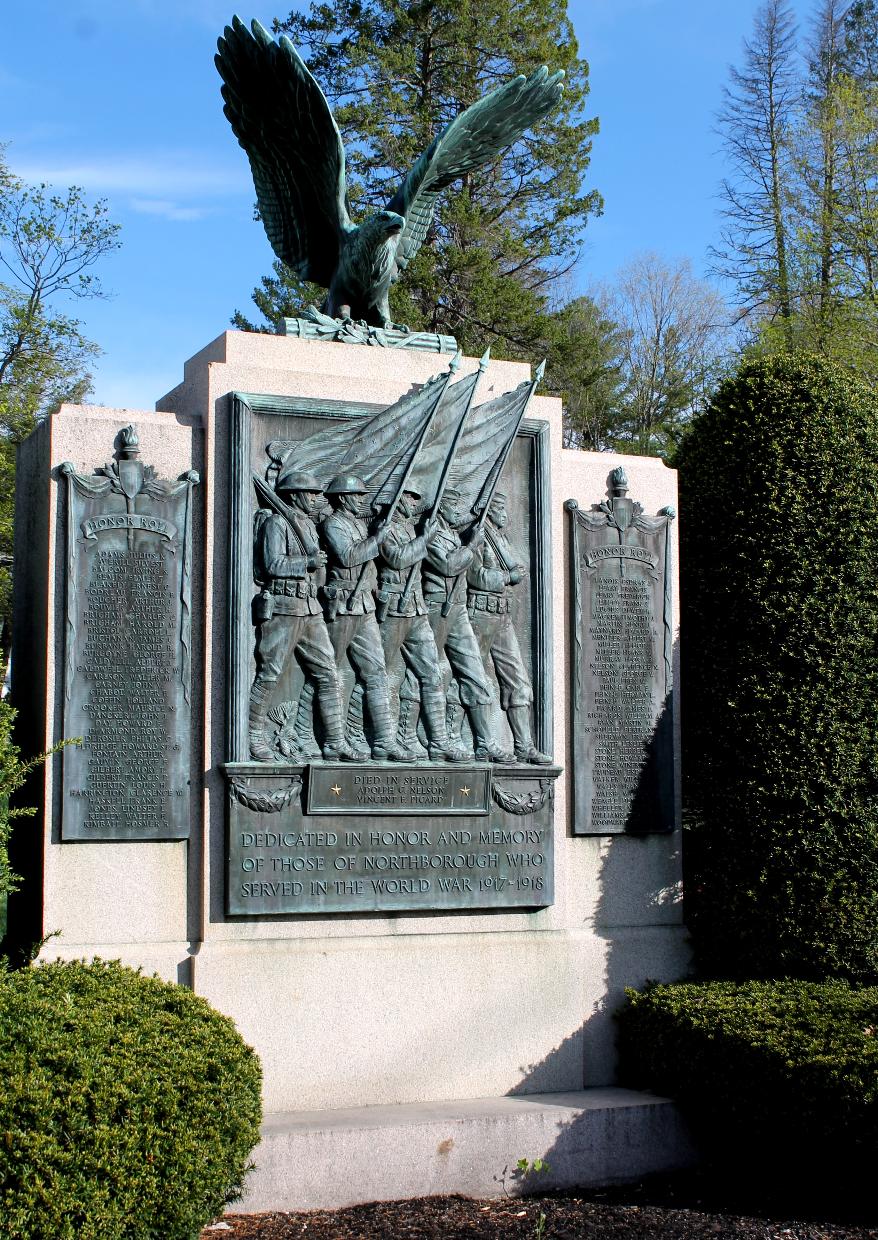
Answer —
(484, 743)
(335, 747)
(354, 730)
(259, 749)
(441, 749)
(386, 748)
(303, 731)
(525, 749)
(453, 723)
(407, 730)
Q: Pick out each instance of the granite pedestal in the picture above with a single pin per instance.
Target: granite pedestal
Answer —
(349, 1010)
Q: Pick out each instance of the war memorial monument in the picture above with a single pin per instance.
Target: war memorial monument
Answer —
(375, 686)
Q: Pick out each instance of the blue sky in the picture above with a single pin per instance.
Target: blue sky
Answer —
(122, 98)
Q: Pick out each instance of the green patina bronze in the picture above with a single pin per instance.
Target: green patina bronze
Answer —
(281, 118)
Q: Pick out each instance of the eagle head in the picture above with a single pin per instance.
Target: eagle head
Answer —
(390, 222)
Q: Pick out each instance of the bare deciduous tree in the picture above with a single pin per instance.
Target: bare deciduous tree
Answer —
(755, 123)
(674, 328)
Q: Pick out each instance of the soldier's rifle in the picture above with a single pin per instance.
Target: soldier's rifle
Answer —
(498, 551)
(407, 472)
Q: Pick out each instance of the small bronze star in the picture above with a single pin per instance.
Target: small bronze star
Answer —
(336, 789)
(465, 791)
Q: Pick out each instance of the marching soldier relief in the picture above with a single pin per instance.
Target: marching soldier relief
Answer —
(289, 563)
(387, 601)
(495, 571)
(406, 632)
(350, 610)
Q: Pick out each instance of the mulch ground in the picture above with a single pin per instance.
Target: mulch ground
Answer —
(692, 1206)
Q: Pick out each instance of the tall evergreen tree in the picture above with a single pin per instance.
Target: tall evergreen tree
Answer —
(860, 45)
(585, 370)
(396, 72)
(832, 229)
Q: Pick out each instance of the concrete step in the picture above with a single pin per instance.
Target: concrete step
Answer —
(310, 1160)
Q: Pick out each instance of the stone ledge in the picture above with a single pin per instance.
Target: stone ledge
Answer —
(311, 1160)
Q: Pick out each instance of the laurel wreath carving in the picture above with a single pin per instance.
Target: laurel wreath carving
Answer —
(265, 802)
(522, 804)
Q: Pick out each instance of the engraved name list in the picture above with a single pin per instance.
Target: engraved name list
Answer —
(126, 692)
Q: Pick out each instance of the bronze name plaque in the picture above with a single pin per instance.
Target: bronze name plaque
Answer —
(393, 790)
(621, 662)
(127, 674)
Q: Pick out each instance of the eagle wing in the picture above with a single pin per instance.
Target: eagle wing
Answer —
(472, 139)
(281, 118)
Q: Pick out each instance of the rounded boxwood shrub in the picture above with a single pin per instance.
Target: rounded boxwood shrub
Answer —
(779, 556)
(128, 1106)
(776, 1070)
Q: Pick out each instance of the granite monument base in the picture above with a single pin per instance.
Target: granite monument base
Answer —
(351, 1002)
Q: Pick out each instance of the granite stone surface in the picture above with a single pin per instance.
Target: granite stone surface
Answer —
(354, 1008)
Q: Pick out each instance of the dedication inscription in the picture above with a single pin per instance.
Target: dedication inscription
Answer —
(622, 730)
(127, 674)
(282, 860)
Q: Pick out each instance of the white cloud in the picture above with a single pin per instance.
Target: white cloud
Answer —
(144, 175)
(167, 210)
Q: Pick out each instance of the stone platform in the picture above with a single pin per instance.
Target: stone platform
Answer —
(323, 1160)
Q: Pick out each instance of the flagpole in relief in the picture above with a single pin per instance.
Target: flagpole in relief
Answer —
(538, 374)
(446, 471)
(388, 516)
(449, 460)
(452, 370)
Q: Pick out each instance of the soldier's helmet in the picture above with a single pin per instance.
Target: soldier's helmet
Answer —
(346, 484)
(407, 490)
(450, 500)
(290, 479)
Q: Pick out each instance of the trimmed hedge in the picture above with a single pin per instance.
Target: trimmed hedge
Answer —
(779, 554)
(128, 1107)
(786, 1067)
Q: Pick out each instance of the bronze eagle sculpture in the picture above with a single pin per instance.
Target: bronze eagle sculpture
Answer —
(282, 119)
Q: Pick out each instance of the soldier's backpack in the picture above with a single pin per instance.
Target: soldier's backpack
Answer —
(260, 576)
